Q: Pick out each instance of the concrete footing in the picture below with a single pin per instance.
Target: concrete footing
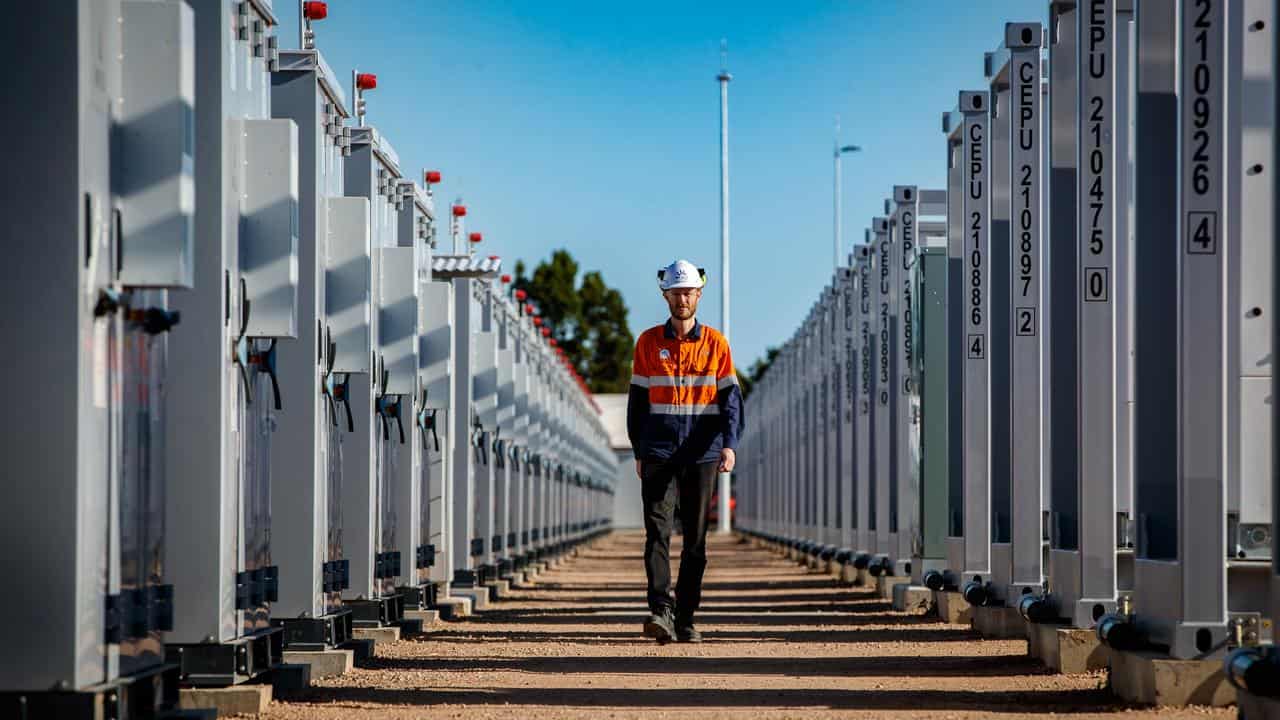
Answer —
(499, 589)
(999, 622)
(324, 663)
(952, 607)
(912, 598)
(234, 700)
(388, 634)
(1256, 707)
(886, 583)
(1066, 649)
(1156, 679)
(453, 607)
(426, 617)
(479, 597)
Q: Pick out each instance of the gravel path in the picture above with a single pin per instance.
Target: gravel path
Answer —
(781, 643)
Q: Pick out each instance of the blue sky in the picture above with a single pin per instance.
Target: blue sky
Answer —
(595, 127)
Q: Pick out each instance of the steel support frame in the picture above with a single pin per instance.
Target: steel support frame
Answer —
(411, 486)
(1180, 592)
(928, 293)
(975, 159)
(846, 409)
(219, 435)
(829, 403)
(1273, 198)
(75, 526)
(504, 472)
(953, 131)
(881, 424)
(1251, 46)
(1018, 195)
(307, 530)
(929, 557)
(370, 459)
(863, 399)
(905, 397)
(438, 403)
(1087, 294)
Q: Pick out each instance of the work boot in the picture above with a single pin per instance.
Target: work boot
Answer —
(660, 627)
(686, 632)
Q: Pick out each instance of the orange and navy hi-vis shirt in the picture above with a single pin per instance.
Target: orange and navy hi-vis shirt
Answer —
(685, 403)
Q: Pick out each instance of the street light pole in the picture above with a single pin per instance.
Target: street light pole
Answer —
(835, 148)
(839, 150)
(723, 78)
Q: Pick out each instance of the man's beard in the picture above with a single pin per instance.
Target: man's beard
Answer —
(683, 313)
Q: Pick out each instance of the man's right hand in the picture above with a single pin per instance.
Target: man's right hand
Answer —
(639, 464)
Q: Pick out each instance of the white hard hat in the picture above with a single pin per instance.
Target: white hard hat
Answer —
(681, 274)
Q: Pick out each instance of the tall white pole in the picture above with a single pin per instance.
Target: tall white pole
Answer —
(723, 78)
(835, 150)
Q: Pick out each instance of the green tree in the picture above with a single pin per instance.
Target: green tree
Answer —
(757, 370)
(587, 319)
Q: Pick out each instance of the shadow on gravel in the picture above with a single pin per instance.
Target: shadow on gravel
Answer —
(886, 666)
(780, 584)
(1028, 702)
(638, 606)
(859, 599)
(714, 634)
(713, 616)
(802, 582)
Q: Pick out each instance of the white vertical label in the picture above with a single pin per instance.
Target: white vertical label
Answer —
(884, 311)
(1026, 183)
(1202, 299)
(1095, 195)
(975, 172)
(866, 334)
(905, 256)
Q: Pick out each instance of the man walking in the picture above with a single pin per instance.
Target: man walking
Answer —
(684, 414)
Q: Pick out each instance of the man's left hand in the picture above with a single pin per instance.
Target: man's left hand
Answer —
(728, 459)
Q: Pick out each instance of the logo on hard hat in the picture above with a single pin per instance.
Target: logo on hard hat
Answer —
(681, 274)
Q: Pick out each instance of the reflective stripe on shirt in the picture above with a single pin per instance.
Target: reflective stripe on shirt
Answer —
(681, 380)
(665, 409)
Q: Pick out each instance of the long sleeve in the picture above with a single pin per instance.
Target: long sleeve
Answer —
(637, 406)
(732, 412)
(730, 400)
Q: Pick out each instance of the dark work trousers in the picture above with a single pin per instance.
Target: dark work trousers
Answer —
(661, 484)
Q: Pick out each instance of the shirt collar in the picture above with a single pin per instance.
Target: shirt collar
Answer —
(669, 331)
